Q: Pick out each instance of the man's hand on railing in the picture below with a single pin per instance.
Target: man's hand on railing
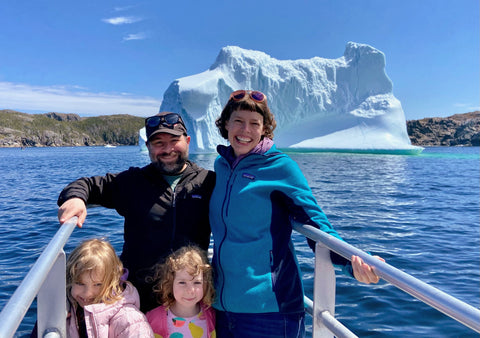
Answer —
(73, 207)
(364, 272)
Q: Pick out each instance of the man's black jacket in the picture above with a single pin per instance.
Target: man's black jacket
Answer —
(157, 219)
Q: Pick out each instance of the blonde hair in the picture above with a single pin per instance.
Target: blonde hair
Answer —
(96, 255)
(195, 261)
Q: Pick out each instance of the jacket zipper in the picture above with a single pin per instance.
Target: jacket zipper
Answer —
(225, 207)
(174, 204)
(225, 214)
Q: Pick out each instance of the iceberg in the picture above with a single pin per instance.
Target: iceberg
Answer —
(343, 104)
(142, 138)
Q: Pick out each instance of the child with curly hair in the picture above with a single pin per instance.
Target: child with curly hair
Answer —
(185, 292)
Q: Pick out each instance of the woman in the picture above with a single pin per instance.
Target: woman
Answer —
(259, 191)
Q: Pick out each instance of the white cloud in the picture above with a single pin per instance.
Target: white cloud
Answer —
(62, 99)
(138, 36)
(122, 20)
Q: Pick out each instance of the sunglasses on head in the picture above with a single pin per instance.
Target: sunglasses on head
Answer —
(168, 120)
(255, 95)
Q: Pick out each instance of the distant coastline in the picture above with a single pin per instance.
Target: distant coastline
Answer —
(19, 129)
(455, 130)
(61, 130)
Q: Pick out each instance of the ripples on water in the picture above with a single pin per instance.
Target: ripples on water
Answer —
(421, 213)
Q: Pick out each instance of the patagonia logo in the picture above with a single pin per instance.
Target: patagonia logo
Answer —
(249, 176)
(197, 196)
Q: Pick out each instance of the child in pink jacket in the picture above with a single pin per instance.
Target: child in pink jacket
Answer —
(102, 303)
(185, 290)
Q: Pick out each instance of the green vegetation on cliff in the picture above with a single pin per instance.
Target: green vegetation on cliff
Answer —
(55, 129)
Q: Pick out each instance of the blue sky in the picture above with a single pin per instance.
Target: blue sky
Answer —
(105, 57)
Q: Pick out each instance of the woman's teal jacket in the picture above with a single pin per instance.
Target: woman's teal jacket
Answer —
(252, 209)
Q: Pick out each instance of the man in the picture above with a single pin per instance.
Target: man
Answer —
(165, 204)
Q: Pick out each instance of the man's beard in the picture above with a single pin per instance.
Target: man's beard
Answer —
(174, 168)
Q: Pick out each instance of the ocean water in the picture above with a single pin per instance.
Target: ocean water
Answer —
(421, 213)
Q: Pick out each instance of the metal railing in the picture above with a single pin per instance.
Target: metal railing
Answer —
(46, 280)
(443, 302)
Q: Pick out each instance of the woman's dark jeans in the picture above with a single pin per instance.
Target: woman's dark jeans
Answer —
(260, 325)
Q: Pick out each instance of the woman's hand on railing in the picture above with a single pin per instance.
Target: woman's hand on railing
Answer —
(363, 272)
(73, 207)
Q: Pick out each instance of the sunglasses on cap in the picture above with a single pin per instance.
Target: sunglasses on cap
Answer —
(255, 95)
(167, 120)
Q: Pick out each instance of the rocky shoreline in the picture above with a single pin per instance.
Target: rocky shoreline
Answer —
(455, 130)
(57, 130)
(63, 130)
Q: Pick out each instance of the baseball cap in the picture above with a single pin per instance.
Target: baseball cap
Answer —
(165, 122)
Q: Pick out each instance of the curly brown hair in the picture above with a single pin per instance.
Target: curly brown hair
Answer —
(192, 258)
(246, 103)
